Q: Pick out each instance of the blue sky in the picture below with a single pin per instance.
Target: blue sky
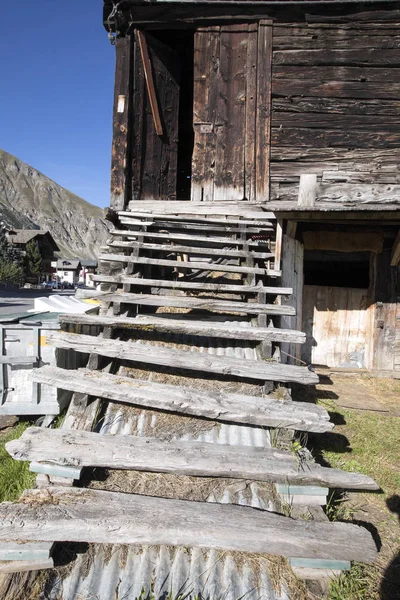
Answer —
(57, 71)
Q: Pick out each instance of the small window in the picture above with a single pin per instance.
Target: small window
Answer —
(336, 269)
(65, 273)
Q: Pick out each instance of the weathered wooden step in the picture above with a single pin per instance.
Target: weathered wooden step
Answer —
(209, 239)
(210, 404)
(155, 217)
(226, 209)
(189, 285)
(231, 306)
(193, 224)
(161, 262)
(148, 354)
(189, 327)
(88, 449)
(86, 515)
(173, 248)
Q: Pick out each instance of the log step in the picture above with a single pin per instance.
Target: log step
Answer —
(179, 326)
(195, 286)
(230, 306)
(88, 449)
(209, 404)
(193, 250)
(206, 266)
(226, 209)
(172, 358)
(86, 515)
(185, 237)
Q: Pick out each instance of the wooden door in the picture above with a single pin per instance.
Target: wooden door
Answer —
(154, 156)
(232, 100)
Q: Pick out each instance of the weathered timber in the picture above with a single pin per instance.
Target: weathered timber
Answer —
(88, 449)
(172, 248)
(209, 304)
(21, 566)
(336, 73)
(210, 404)
(178, 359)
(194, 224)
(288, 38)
(336, 121)
(188, 327)
(247, 210)
(344, 106)
(188, 265)
(335, 89)
(263, 124)
(307, 190)
(322, 138)
(189, 285)
(94, 516)
(209, 239)
(155, 217)
(148, 74)
(351, 57)
(395, 256)
(120, 166)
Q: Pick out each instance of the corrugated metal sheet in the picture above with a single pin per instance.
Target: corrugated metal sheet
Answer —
(161, 573)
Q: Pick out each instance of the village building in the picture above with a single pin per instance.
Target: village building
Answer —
(89, 268)
(68, 271)
(20, 238)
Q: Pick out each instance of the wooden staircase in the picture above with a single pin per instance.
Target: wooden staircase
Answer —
(189, 321)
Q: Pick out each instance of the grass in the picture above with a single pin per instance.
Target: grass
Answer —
(15, 476)
(368, 443)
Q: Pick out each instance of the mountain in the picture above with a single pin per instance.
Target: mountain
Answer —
(30, 200)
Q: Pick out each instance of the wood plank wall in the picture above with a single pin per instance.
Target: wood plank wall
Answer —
(336, 107)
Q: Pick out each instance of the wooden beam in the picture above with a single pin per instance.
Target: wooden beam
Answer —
(148, 74)
(210, 404)
(205, 328)
(171, 358)
(188, 265)
(173, 248)
(395, 258)
(243, 210)
(206, 238)
(84, 515)
(189, 285)
(195, 224)
(167, 217)
(208, 304)
(88, 449)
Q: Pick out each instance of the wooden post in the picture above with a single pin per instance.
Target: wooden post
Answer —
(120, 161)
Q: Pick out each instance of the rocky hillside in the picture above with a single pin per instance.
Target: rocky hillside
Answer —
(29, 199)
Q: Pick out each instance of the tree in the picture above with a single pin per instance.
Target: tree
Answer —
(33, 261)
(10, 261)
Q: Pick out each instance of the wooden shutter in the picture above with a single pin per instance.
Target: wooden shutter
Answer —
(232, 100)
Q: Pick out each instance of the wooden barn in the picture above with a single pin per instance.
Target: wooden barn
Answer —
(289, 103)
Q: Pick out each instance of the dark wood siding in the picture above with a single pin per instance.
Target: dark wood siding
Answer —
(336, 108)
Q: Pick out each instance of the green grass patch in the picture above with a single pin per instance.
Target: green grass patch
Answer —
(15, 476)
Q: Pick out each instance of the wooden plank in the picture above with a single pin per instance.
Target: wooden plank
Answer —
(189, 285)
(230, 115)
(250, 166)
(95, 516)
(195, 224)
(151, 90)
(88, 449)
(322, 138)
(278, 245)
(307, 191)
(210, 404)
(120, 163)
(336, 38)
(139, 217)
(209, 239)
(209, 304)
(344, 106)
(181, 360)
(228, 208)
(335, 121)
(140, 260)
(263, 121)
(22, 566)
(395, 257)
(206, 73)
(335, 89)
(173, 248)
(18, 360)
(351, 57)
(188, 327)
(336, 73)
(25, 551)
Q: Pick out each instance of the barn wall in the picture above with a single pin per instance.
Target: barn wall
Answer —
(336, 107)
